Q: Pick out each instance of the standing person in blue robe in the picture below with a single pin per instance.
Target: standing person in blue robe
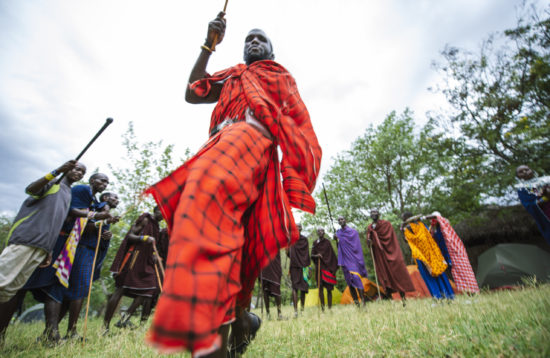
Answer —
(79, 280)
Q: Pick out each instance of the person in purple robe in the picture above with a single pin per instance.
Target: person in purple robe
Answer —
(350, 258)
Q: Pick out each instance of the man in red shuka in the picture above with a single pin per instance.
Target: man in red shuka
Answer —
(227, 210)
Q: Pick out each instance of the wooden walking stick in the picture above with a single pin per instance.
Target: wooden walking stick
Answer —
(91, 281)
(158, 277)
(215, 41)
(375, 274)
(108, 121)
(157, 253)
(319, 280)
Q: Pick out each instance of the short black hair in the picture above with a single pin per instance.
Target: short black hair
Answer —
(406, 215)
(95, 176)
(103, 197)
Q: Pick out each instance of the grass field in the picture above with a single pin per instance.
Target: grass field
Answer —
(497, 324)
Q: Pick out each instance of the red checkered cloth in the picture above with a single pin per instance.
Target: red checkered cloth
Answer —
(461, 269)
(227, 211)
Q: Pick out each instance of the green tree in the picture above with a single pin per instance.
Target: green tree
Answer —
(391, 167)
(500, 100)
(146, 163)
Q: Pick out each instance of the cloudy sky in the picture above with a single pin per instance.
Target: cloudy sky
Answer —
(65, 66)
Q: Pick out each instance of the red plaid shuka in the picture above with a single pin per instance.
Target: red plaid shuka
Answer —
(461, 269)
(227, 211)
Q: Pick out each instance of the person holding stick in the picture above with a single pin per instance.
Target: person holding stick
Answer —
(351, 260)
(80, 277)
(326, 263)
(33, 235)
(135, 269)
(226, 208)
(49, 285)
(299, 260)
(391, 271)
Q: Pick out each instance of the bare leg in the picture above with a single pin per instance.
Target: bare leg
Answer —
(7, 310)
(329, 298)
(64, 310)
(112, 304)
(138, 301)
(125, 317)
(266, 301)
(362, 296)
(303, 299)
(51, 311)
(278, 303)
(322, 298)
(146, 309)
(295, 301)
(74, 312)
(353, 292)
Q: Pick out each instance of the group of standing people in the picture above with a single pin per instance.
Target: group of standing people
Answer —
(58, 244)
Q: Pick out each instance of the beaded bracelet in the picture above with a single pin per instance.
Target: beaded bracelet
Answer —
(144, 237)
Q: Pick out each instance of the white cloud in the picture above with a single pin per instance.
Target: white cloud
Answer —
(67, 65)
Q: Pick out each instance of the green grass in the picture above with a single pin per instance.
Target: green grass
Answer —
(499, 324)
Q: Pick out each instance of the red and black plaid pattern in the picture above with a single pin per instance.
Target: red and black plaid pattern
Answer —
(461, 268)
(226, 207)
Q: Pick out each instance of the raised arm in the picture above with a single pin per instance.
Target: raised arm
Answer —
(216, 30)
(35, 187)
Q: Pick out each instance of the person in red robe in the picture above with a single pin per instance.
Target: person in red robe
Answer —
(227, 211)
(391, 270)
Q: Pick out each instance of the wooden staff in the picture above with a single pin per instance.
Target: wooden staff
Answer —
(319, 280)
(158, 256)
(91, 281)
(375, 274)
(158, 277)
(215, 41)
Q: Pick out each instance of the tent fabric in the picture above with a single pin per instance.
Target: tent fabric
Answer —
(506, 265)
(420, 288)
(370, 291)
(312, 297)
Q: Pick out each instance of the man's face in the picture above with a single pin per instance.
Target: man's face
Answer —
(320, 233)
(374, 214)
(99, 183)
(113, 201)
(257, 47)
(157, 214)
(341, 221)
(77, 173)
(524, 172)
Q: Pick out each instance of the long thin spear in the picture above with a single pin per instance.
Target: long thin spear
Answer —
(328, 206)
(215, 41)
